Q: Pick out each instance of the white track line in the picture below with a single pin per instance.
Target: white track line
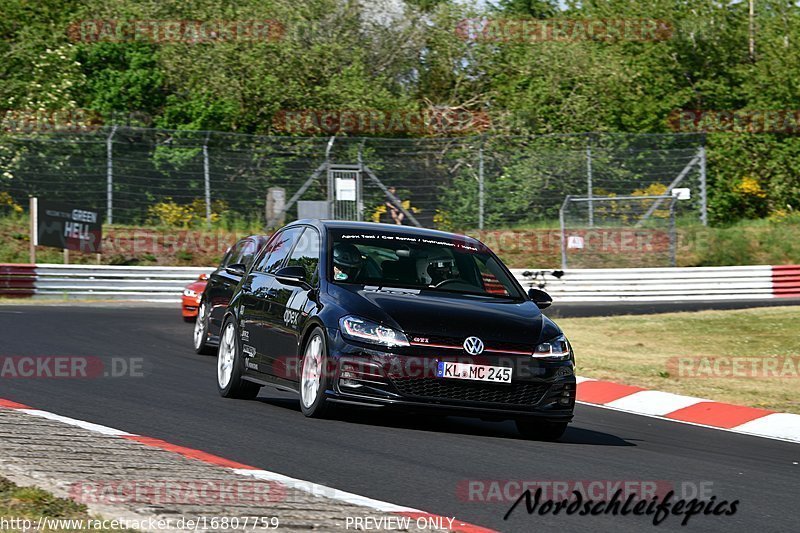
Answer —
(79, 423)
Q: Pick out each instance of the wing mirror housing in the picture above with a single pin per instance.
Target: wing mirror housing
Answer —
(540, 298)
(236, 269)
(293, 275)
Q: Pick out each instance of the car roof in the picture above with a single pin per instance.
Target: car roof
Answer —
(375, 226)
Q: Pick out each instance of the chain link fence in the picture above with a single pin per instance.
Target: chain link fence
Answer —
(145, 176)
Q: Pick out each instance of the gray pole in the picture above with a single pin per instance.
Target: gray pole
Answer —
(207, 179)
(673, 241)
(110, 176)
(481, 194)
(359, 184)
(331, 184)
(563, 233)
(703, 189)
(589, 181)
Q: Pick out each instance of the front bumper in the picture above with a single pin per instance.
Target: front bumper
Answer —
(406, 379)
(190, 306)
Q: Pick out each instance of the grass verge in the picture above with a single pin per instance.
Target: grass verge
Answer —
(645, 351)
(29, 503)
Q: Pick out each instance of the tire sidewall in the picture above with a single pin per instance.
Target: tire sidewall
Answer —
(236, 370)
(203, 346)
(320, 404)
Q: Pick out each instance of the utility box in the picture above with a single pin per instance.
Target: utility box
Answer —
(312, 209)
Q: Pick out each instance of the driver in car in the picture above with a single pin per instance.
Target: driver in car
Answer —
(440, 271)
(347, 262)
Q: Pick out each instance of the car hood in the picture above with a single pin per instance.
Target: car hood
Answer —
(441, 314)
(197, 286)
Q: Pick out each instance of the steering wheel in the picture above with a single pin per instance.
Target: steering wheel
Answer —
(445, 282)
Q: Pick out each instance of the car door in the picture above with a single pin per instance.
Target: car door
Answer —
(257, 297)
(290, 306)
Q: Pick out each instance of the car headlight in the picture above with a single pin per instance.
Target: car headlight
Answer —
(365, 331)
(189, 293)
(556, 348)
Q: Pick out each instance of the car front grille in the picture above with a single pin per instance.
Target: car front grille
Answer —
(524, 394)
(497, 346)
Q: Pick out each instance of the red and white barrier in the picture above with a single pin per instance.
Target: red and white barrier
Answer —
(577, 285)
(671, 284)
(786, 281)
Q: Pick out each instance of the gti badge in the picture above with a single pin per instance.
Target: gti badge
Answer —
(473, 346)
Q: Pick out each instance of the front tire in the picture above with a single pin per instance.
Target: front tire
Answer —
(314, 377)
(230, 366)
(200, 335)
(536, 429)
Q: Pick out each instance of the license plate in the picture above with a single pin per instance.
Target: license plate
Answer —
(494, 374)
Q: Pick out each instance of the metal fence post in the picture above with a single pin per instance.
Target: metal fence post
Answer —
(481, 194)
(589, 188)
(673, 240)
(360, 184)
(207, 179)
(703, 188)
(331, 183)
(110, 175)
(561, 222)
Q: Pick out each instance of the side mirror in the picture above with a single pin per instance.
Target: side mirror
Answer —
(202, 277)
(293, 275)
(236, 269)
(540, 298)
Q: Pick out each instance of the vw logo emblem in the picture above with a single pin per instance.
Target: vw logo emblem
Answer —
(473, 346)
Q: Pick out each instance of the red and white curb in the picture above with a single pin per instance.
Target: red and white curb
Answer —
(689, 410)
(251, 471)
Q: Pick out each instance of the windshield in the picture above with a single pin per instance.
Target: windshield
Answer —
(417, 262)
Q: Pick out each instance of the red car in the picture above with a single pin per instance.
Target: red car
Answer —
(190, 301)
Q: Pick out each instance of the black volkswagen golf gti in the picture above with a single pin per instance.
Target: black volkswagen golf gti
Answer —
(392, 316)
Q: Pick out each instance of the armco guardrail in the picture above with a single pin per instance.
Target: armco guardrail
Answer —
(671, 284)
(576, 285)
(97, 282)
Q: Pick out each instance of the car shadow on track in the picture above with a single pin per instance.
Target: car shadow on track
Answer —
(446, 424)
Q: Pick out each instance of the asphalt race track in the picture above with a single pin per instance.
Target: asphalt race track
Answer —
(414, 461)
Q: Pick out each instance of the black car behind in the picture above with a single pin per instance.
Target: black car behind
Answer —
(219, 289)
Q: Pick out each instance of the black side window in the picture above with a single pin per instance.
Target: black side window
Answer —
(277, 250)
(233, 254)
(306, 254)
(248, 253)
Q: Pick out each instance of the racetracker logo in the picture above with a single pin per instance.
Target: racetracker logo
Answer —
(735, 121)
(28, 121)
(178, 491)
(563, 30)
(611, 240)
(143, 241)
(735, 367)
(70, 367)
(509, 490)
(371, 121)
(174, 31)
